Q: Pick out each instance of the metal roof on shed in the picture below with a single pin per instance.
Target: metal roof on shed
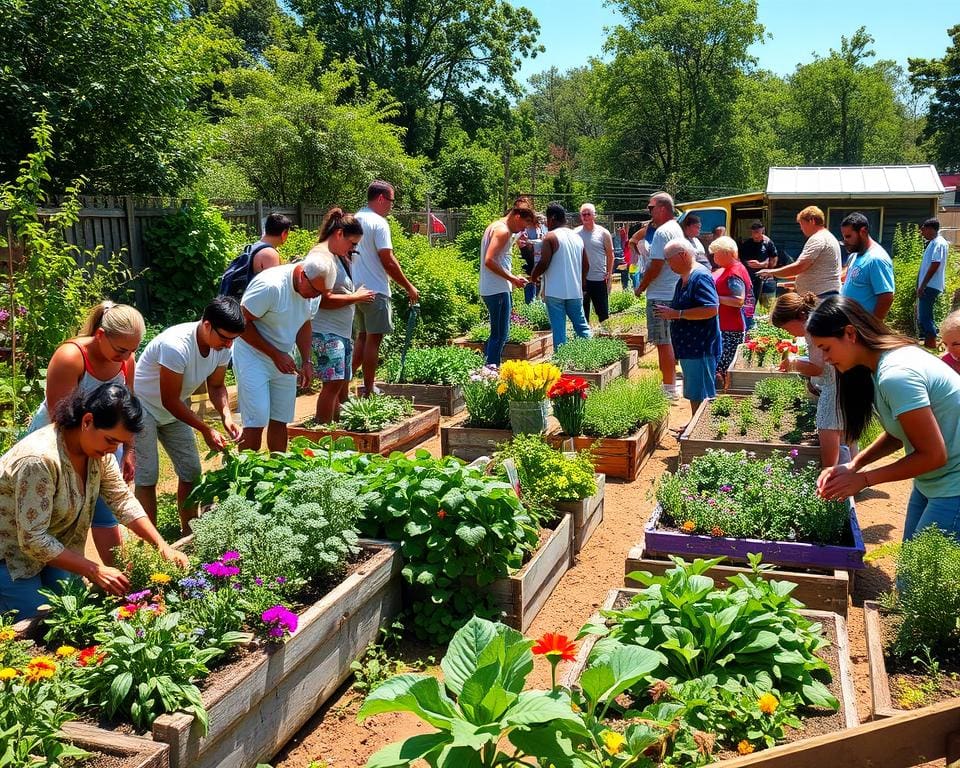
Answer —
(861, 181)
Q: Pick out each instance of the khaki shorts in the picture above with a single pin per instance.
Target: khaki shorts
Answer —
(375, 317)
(178, 440)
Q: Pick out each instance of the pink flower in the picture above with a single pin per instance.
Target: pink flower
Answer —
(229, 555)
(280, 620)
(221, 571)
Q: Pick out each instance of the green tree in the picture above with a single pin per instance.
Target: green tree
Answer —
(941, 77)
(427, 53)
(116, 84)
(467, 174)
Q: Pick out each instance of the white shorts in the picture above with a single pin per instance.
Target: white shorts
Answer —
(178, 440)
(263, 393)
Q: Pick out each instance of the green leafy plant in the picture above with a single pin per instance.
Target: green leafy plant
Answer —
(729, 494)
(141, 562)
(745, 416)
(779, 410)
(589, 354)
(297, 245)
(77, 613)
(722, 406)
(623, 406)
(486, 407)
(533, 314)
(13, 652)
(373, 413)
(518, 333)
(763, 328)
(379, 663)
(621, 301)
(433, 365)
(783, 391)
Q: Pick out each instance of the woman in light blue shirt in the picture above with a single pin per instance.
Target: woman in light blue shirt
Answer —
(917, 401)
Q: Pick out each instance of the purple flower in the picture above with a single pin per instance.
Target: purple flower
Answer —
(221, 571)
(4, 315)
(712, 502)
(136, 597)
(141, 632)
(794, 453)
(282, 620)
(258, 581)
(226, 557)
(237, 585)
(276, 632)
(194, 584)
(767, 469)
(21, 310)
(281, 580)
(726, 488)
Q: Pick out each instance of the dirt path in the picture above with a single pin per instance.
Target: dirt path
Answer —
(334, 736)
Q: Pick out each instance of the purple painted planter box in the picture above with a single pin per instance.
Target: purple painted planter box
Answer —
(785, 553)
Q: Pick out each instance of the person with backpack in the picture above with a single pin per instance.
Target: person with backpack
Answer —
(256, 257)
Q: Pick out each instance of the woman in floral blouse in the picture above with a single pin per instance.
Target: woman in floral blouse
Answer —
(49, 483)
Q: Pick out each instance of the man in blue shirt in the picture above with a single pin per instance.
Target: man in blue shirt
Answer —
(869, 272)
(930, 281)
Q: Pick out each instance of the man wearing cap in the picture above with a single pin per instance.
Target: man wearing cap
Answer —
(758, 252)
(277, 307)
(598, 244)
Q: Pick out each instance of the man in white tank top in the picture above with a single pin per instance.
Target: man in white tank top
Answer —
(563, 264)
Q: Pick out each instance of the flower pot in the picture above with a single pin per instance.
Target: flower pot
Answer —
(529, 417)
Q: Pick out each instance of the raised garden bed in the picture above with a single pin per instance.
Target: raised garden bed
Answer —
(701, 434)
(126, 751)
(847, 556)
(422, 426)
(635, 341)
(841, 687)
(253, 714)
(821, 589)
(522, 595)
(447, 397)
(587, 514)
(743, 376)
(600, 379)
(469, 443)
(880, 698)
(538, 348)
(620, 457)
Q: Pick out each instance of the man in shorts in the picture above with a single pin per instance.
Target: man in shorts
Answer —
(174, 364)
(373, 268)
(277, 306)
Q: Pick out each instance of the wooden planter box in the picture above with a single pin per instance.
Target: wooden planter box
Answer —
(818, 589)
(522, 595)
(690, 447)
(538, 348)
(880, 698)
(254, 714)
(783, 553)
(620, 457)
(423, 425)
(600, 379)
(135, 752)
(744, 379)
(847, 697)
(587, 514)
(448, 398)
(469, 443)
(634, 341)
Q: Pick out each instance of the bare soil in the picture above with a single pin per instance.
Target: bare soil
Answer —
(911, 684)
(796, 427)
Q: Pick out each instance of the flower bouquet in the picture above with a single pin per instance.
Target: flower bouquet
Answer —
(525, 386)
(569, 396)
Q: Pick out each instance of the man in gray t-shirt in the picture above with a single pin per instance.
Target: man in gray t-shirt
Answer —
(598, 244)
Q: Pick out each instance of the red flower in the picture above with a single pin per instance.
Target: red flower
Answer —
(90, 656)
(568, 385)
(751, 345)
(556, 646)
(308, 452)
(442, 514)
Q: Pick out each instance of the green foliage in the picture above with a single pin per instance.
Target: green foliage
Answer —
(77, 613)
(518, 333)
(908, 245)
(14, 653)
(487, 408)
(784, 391)
(729, 494)
(722, 406)
(940, 78)
(621, 301)
(168, 517)
(623, 406)
(140, 561)
(188, 252)
(764, 329)
(433, 365)
(470, 236)
(750, 632)
(373, 413)
(453, 523)
(298, 243)
(379, 663)
(589, 354)
(779, 410)
(533, 314)
(466, 174)
(927, 598)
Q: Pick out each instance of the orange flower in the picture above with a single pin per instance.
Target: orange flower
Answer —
(768, 703)
(40, 668)
(745, 747)
(442, 514)
(308, 452)
(553, 645)
(716, 531)
(689, 526)
(7, 634)
(89, 656)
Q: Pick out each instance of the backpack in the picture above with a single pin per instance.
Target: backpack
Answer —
(239, 272)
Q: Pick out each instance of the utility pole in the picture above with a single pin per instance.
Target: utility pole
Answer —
(506, 177)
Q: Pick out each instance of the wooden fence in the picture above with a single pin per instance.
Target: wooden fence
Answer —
(950, 225)
(115, 225)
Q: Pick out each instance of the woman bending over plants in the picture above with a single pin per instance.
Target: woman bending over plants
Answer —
(915, 397)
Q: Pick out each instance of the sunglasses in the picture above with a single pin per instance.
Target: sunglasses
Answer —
(651, 207)
(225, 338)
(312, 286)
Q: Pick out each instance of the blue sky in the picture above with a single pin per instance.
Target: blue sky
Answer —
(573, 31)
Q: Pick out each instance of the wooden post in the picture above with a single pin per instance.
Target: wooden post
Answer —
(137, 263)
(300, 215)
(429, 222)
(259, 226)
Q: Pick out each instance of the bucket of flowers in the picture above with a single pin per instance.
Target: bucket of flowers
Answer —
(525, 386)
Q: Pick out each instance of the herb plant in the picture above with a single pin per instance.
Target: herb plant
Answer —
(589, 354)
(533, 314)
(623, 406)
(778, 409)
(373, 413)
(621, 301)
(77, 613)
(433, 365)
(141, 562)
(486, 407)
(730, 494)
(518, 333)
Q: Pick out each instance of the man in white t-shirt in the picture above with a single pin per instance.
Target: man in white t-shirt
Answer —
(277, 307)
(930, 280)
(659, 282)
(373, 268)
(598, 244)
(176, 362)
(817, 268)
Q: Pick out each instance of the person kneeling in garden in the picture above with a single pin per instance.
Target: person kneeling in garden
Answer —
(49, 483)
(915, 398)
(173, 365)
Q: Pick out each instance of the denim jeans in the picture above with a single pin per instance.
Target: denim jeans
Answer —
(635, 278)
(529, 293)
(596, 295)
(923, 511)
(559, 310)
(499, 306)
(925, 305)
(23, 595)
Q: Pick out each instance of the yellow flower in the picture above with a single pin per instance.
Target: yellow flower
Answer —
(40, 668)
(159, 578)
(66, 650)
(7, 634)
(768, 703)
(745, 747)
(613, 741)
(8, 673)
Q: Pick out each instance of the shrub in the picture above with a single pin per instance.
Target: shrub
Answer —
(621, 301)
(589, 354)
(470, 235)
(298, 243)
(433, 365)
(533, 314)
(487, 408)
(518, 333)
(373, 413)
(623, 406)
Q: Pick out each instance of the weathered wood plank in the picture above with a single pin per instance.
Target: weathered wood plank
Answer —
(880, 698)
(587, 514)
(423, 425)
(448, 398)
(138, 752)
(538, 348)
(616, 457)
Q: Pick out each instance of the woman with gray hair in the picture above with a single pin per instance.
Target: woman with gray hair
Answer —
(735, 294)
(694, 328)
